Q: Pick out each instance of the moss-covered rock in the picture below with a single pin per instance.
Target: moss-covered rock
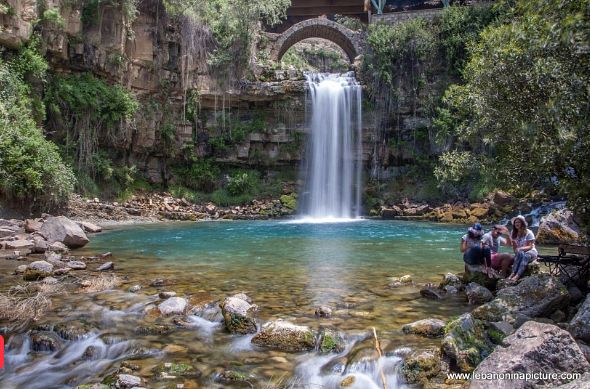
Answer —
(476, 274)
(466, 342)
(289, 202)
(232, 377)
(171, 370)
(238, 314)
(154, 329)
(420, 366)
(285, 336)
(330, 341)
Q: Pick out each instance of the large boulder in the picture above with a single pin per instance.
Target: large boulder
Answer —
(535, 296)
(61, 229)
(466, 343)
(580, 324)
(90, 227)
(558, 227)
(477, 274)
(533, 348)
(477, 294)
(431, 328)
(238, 314)
(20, 244)
(285, 336)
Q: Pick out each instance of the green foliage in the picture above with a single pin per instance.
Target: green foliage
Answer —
(351, 23)
(53, 17)
(243, 183)
(223, 198)
(201, 175)
(456, 172)
(31, 169)
(525, 102)
(90, 110)
(129, 8)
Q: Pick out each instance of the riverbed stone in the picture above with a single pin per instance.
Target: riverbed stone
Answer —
(285, 336)
(238, 314)
(6, 232)
(20, 269)
(477, 274)
(323, 311)
(477, 294)
(61, 229)
(558, 227)
(173, 306)
(533, 348)
(535, 296)
(580, 325)
(127, 381)
(166, 294)
(38, 270)
(76, 265)
(45, 341)
(430, 328)
(33, 225)
(135, 289)
(466, 343)
(171, 370)
(58, 247)
(421, 366)
(433, 293)
(106, 266)
(232, 377)
(20, 244)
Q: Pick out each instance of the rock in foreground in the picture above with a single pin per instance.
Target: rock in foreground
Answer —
(431, 328)
(238, 314)
(285, 336)
(466, 343)
(535, 296)
(173, 306)
(533, 348)
(477, 294)
(62, 229)
(580, 324)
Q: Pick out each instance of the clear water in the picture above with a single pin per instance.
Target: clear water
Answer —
(332, 163)
(288, 269)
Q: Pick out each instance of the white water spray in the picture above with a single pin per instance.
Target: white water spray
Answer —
(334, 151)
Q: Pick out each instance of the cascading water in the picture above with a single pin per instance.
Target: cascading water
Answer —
(332, 169)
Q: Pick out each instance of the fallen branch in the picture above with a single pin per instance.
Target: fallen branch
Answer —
(380, 353)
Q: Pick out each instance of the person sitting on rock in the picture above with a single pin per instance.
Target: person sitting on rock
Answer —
(523, 242)
(473, 251)
(493, 240)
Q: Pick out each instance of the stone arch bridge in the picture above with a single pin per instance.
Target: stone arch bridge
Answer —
(352, 42)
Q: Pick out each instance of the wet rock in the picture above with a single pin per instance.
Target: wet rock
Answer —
(172, 370)
(395, 282)
(45, 341)
(20, 269)
(558, 227)
(154, 329)
(72, 330)
(92, 386)
(533, 348)
(33, 225)
(127, 381)
(38, 270)
(238, 314)
(323, 311)
(580, 325)
(347, 381)
(331, 341)
(6, 232)
(478, 275)
(50, 281)
(106, 266)
(451, 279)
(159, 282)
(76, 265)
(166, 295)
(535, 296)
(420, 366)
(466, 343)
(229, 377)
(173, 306)
(90, 227)
(61, 229)
(450, 289)
(285, 336)
(135, 289)
(477, 294)
(40, 245)
(432, 293)
(20, 244)
(431, 328)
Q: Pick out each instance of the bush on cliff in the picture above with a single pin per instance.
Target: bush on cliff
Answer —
(32, 172)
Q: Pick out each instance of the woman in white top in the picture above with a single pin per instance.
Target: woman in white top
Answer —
(523, 242)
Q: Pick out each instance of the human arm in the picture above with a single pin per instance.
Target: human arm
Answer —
(463, 245)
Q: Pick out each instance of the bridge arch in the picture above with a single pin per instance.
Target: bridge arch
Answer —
(324, 28)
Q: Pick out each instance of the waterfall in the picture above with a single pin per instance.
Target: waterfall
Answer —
(333, 159)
